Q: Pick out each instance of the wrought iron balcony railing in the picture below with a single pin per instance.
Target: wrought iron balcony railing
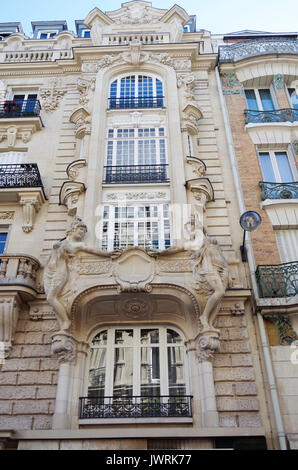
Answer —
(136, 102)
(136, 174)
(257, 47)
(21, 175)
(279, 190)
(279, 280)
(19, 108)
(277, 115)
(136, 407)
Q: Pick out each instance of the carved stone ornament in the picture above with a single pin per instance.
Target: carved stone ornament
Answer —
(191, 115)
(51, 95)
(136, 196)
(23, 130)
(65, 347)
(136, 13)
(82, 121)
(198, 166)
(134, 271)
(58, 267)
(31, 202)
(75, 170)
(136, 308)
(207, 344)
(86, 89)
(201, 189)
(6, 215)
(9, 313)
(135, 56)
(69, 195)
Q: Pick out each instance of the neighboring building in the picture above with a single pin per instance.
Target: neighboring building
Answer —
(150, 330)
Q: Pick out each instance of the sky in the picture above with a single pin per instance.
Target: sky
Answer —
(217, 16)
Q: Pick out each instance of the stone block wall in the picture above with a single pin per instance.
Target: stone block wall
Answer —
(28, 377)
(234, 375)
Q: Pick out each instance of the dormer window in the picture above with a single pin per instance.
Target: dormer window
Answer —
(85, 33)
(46, 34)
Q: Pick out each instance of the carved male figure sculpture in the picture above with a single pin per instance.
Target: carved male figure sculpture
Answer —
(56, 272)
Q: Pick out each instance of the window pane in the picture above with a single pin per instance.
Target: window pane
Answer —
(283, 167)
(3, 237)
(176, 370)
(266, 99)
(149, 336)
(173, 337)
(266, 167)
(124, 337)
(251, 99)
(123, 372)
(150, 371)
(97, 374)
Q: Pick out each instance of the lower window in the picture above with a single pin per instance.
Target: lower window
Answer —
(137, 372)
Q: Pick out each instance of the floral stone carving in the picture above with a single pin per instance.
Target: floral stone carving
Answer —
(134, 271)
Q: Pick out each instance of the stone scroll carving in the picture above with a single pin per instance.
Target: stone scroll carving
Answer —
(57, 269)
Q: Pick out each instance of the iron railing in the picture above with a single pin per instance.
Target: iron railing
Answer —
(276, 115)
(278, 190)
(279, 280)
(136, 407)
(19, 108)
(136, 174)
(256, 47)
(20, 175)
(136, 102)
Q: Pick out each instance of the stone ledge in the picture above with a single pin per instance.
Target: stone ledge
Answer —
(117, 432)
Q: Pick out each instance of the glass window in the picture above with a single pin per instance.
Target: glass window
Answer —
(142, 362)
(3, 238)
(259, 100)
(275, 167)
(136, 91)
(145, 226)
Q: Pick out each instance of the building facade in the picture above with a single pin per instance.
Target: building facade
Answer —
(130, 317)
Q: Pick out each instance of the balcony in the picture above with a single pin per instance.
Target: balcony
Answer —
(277, 115)
(278, 190)
(257, 47)
(276, 281)
(21, 175)
(19, 109)
(136, 174)
(19, 270)
(136, 102)
(136, 407)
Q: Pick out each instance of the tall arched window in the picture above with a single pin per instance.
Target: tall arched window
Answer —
(137, 371)
(136, 91)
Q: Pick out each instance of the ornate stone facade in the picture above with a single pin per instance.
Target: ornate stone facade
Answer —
(130, 281)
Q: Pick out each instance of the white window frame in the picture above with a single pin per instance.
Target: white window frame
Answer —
(157, 138)
(136, 353)
(5, 229)
(83, 31)
(111, 220)
(274, 163)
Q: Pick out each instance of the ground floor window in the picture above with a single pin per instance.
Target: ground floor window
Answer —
(139, 362)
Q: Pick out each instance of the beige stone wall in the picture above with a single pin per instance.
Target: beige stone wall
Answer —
(28, 377)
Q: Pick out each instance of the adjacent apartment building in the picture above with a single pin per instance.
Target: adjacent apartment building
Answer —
(136, 311)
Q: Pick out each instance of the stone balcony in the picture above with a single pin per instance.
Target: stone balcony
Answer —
(46, 55)
(19, 271)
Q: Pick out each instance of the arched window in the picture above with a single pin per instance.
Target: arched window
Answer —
(136, 91)
(137, 371)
